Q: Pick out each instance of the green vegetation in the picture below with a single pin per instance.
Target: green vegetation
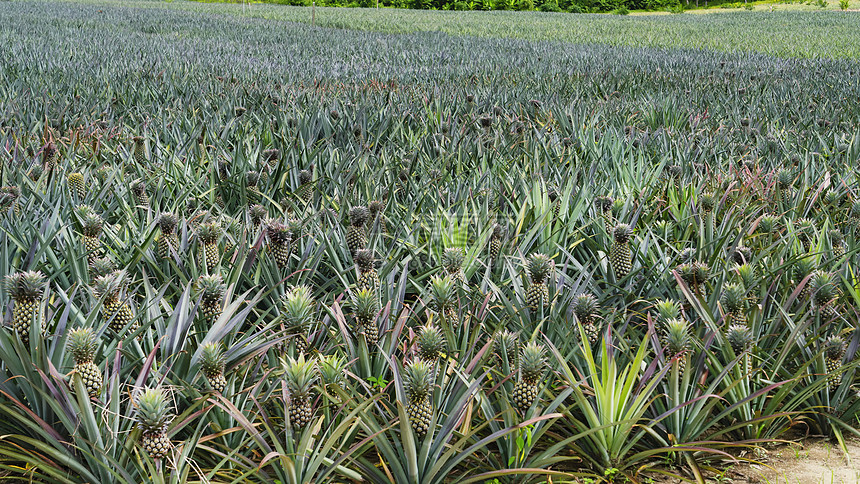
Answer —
(238, 248)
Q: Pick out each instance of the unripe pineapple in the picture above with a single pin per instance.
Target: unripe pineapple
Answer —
(496, 242)
(210, 288)
(212, 363)
(356, 233)
(279, 243)
(554, 200)
(734, 302)
(676, 341)
(667, 310)
(587, 311)
(785, 180)
(452, 262)
(443, 299)
(620, 256)
(138, 188)
(531, 369)
(209, 234)
(805, 230)
(802, 268)
(417, 381)
(26, 290)
(82, 345)
(507, 346)
(739, 338)
(834, 352)
(76, 185)
(768, 225)
(296, 232)
(91, 230)
(378, 218)
(50, 156)
(101, 267)
(300, 376)
(168, 242)
(365, 308)
(115, 310)
(305, 191)
(837, 243)
(539, 268)
(332, 369)
(223, 169)
(741, 255)
(153, 415)
(824, 293)
(431, 344)
(139, 150)
(252, 180)
(9, 199)
(36, 172)
(368, 277)
(258, 215)
(298, 309)
(707, 203)
(604, 206)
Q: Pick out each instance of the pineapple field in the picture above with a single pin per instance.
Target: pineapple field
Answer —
(239, 247)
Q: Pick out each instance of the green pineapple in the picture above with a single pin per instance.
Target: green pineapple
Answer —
(168, 242)
(707, 205)
(452, 262)
(212, 363)
(431, 344)
(837, 243)
(305, 191)
(50, 156)
(9, 196)
(101, 267)
(91, 230)
(735, 303)
(587, 311)
(296, 231)
(785, 183)
(139, 150)
(366, 307)
(26, 290)
(76, 185)
(280, 240)
(368, 277)
(210, 288)
(676, 341)
(82, 345)
(417, 385)
(531, 369)
(138, 188)
(768, 225)
(443, 299)
(620, 256)
(824, 293)
(834, 352)
(554, 201)
(739, 337)
(356, 233)
(604, 206)
(507, 345)
(804, 267)
(153, 415)
(209, 233)
(496, 242)
(300, 376)
(376, 208)
(539, 268)
(298, 309)
(258, 215)
(114, 309)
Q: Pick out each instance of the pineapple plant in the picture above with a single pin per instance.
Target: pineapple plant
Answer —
(208, 234)
(305, 191)
(210, 288)
(734, 303)
(299, 376)
(365, 306)
(356, 234)
(26, 290)
(82, 345)
(620, 256)
(834, 352)
(153, 415)
(740, 339)
(298, 307)
(604, 205)
(804, 267)
(785, 182)
(377, 217)
(837, 243)
(168, 241)
(496, 242)
(280, 239)
(139, 150)
(587, 312)
(507, 345)
(539, 268)
(138, 189)
(76, 185)
(805, 230)
(431, 344)
(9, 196)
(531, 369)
(91, 230)
(258, 214)
(115, 310)
(452, 262)
(101, 267)
(252, 181)
(676, 341)
(443, 300)
(368, 277)
(212, 363)
(50, 156)
(417, 385)
(824, 293)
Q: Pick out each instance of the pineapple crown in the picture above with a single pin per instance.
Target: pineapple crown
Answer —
(739, 337)
(741, 255)
(152, 410)
(687, 254)
(673, 171)
(101, 267)
(252, 178)
(822, 286)
(747, 276)
(305, 177)
(707, 202)
(834, 348)
(358, 215)
(431, 343)
(138, 140)
(785, 179)
(803, 267)
(701, 272)
(298, 305)
(855, 209)
(622, 233)
(82, 345)
(539, 267)
(365, 304)
(375, 206)
(498, 231)
(417, 379)
(832, 198)
(734, 297)
(585, 307)
(26, 286)
(12, 192)
(507, 342)
(258, 213)
(331, 368)
(300, 376)
(167, 223)
(364, 260)
(271, 155)
(211, 287)
(109, 285)
(836, 237)
(209, 232)
(604, 203)
(667, 310)
(805, 228)
(441, 292)
(295, 227)
(677, 336)
(278, 233)
(212, 358)
(452, 259)
(138, 187)
(532, 362)
(767, 224)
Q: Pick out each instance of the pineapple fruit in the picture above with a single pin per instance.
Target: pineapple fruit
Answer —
(368, 277)
(82, 345)
(676, 341)
(138, 189)
(168, 242)
(298, 309)
(76, 185)
(365, 308)
(212, 364)
(152, 413)
(417, 381)
(50, 156)
(9, 196)
(824, 293)
(443, 300)
(209, 233)
(377, 217)
(834, 352)
(258, 214)
(539, 268)
(305, 191)
(531, 369)
(279, 243)
(139, 150)
(299, 376)
(431, 344)
(91, 230)
(604, 206)
(620, 256)
(507, 346)
(356, 233)
(452, 262)
(496, 242)
(114, 309)
(26, 290)
(734, 303)
(210, 288)
(587, 312)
